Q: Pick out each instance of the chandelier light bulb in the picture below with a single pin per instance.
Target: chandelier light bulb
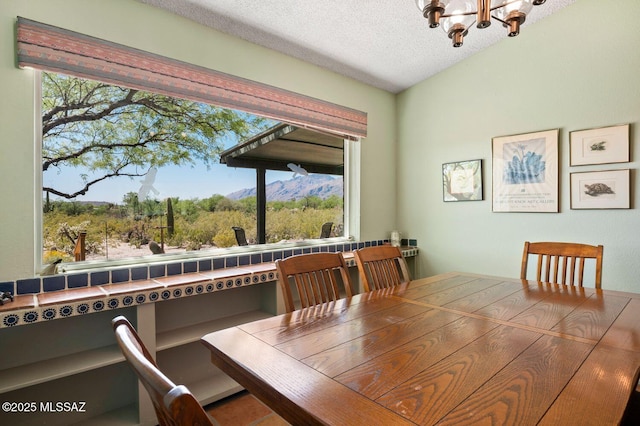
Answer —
(457, 16)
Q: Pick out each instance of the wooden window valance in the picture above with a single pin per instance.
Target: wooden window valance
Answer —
(50, 48)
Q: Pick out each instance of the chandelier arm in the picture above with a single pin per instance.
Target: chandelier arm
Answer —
(458, 14)
(503, 5)
(499, 20)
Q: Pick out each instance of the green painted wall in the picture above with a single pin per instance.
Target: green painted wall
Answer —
(577, 69)
(138, 25)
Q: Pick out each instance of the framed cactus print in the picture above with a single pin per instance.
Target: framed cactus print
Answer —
(607, 189)
(599, 146)
(525, 172)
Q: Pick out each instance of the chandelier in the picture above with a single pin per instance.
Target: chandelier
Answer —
(458, 15)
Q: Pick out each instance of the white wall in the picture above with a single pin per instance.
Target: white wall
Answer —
(577, 69)
(138, 25)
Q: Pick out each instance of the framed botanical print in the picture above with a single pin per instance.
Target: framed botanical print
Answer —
(525, 172)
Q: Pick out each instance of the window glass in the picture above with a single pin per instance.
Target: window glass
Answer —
(128, 173)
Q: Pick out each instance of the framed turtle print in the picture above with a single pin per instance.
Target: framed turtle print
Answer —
(607, 189)
(599, 146)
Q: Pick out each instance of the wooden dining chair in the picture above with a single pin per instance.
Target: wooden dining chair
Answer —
(381, 267)
(317, 278)
(562, 263)
(174, 405)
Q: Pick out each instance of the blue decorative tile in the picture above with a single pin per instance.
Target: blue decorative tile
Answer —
(367, 243)
(315, 249)
(49, 313)
(11, 320)
(66, 311)
(413, 243)
(297, 252)
(244, 260)
(306, 250)
(218, 263)
(119, 276)
(77, 280)
(53, 283)
(28, 286)
(360, 245)
(276, 255)
(231, 262)
(332, 248)
(29, 317)
(8, 286)
(189, 267)
(174, 269)
(99, 278)
(256, 258)
(287, 253)
(139, 273)
(156, 271)
(204, 265)
(267, 257)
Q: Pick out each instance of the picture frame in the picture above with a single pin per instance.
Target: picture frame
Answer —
(604, 145)
(462, 181)
(607, 189)
(525, 172)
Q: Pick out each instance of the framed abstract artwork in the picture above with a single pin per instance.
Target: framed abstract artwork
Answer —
(608, 189)
(525, 172)
(462, 181)
(599, 146)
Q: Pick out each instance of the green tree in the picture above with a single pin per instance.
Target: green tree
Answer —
(111, 131)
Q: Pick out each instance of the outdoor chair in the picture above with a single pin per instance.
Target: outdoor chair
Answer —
(241, 238)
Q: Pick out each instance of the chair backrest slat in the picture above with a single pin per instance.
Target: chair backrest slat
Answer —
(566, 259)
(381, 267)
(317, 278)
(174, 405)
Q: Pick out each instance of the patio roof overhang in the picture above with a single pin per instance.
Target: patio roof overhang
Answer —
(283, 144)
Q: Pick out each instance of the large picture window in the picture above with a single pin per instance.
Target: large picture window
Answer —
(129, 173)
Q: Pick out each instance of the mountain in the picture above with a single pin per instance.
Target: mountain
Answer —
(322, 186)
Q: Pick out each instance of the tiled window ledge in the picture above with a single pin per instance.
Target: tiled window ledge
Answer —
(75, 301)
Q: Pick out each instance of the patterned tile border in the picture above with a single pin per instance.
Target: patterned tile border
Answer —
(86, 300)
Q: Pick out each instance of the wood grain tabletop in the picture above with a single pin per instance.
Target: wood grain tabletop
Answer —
(455, 348)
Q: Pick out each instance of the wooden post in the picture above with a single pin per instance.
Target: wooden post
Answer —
(79, 252)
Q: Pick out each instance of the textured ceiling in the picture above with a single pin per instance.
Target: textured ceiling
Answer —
(384, 43)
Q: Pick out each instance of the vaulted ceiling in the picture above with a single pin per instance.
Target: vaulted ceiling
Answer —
(384, 43)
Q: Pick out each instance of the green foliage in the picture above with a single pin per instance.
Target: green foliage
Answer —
(108, 131)
(197, 223)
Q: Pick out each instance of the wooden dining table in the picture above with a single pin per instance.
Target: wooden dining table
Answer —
(455, 348)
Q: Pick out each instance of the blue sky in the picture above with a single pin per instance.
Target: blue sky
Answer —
(185, 182)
